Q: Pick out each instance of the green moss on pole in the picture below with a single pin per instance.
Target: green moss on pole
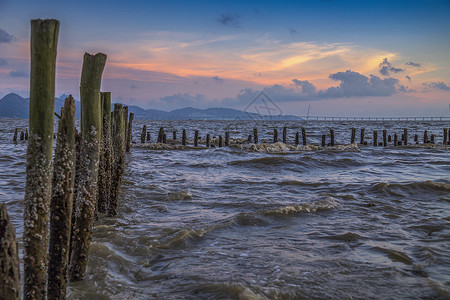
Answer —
(104, 172)
(91, 76)
(44, 41)
(61, 203)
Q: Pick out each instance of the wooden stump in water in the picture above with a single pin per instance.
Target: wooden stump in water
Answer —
(432, 138)
(375, 138)
(9, 258)
(183, 138)
(26, 134)
(275, 136)
(332, 136)
(297, 138)
(91, 76)
(405, 136)
(389, 139)
(249, 139)
(395, 139)
(196, 138)
(62, 202)
(255, 135)
(352, 141)
(129, 131)
(445, 138)
(174, 135)
(384, 137)
(164, 138)
(143, 133)
(16, 132)
(104, 172)
(44, 40)
(362, 136)
(304, 136)
(324, 137)
(227, 138)
(416, 138)
(425, 137)
(284, 135)
(22, 135)
(220, 141)
(160, 135)
(208, 138)
(148, 137)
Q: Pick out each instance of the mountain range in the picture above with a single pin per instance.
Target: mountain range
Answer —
(15, 106)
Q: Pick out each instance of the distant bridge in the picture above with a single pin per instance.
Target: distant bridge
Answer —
(327, 118)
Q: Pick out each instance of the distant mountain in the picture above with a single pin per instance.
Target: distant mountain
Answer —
(14, 106)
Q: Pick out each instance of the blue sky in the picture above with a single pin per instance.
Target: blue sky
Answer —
(342, 57)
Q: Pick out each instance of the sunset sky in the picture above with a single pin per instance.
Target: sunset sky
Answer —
(344, 58)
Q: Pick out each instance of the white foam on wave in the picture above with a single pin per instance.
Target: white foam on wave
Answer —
(283, 148)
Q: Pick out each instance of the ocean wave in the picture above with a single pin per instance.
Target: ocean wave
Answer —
(401, 189)
(327, 203)
(285, 148)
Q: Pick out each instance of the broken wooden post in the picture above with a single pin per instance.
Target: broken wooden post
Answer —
(304, 136)
(255, 135)
(207, 140)
(425, 137)
(9, 258)
(160, 135)
(174, 135)
(44, 40)
(395, 139)
(352, 140)
(275, 136)
(362, 136)
(104, 172)
(91, 77)
(384, 137)
(284, 135)
(375, 138)
(144, 131)
(195, 138)
(220, 141)
(62, 202)
(297, 138)
(323, 140)
(332, 136)
(183, 138)
(16, 132)
(227, 138)
(129, 131)
(405, 136)
(444, 141)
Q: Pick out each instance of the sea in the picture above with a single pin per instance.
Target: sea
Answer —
(266, 221)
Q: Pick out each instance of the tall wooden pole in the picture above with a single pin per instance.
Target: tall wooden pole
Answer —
(104, 172)
(91, 77)
(332, 137)
(227, 138)
(304, 136)
(129, 131)
(352, 141)
(62, 202)
(255, 135)
(275, 136)
(44, 40)
(195, 138)
(284, 135)
(362, 136)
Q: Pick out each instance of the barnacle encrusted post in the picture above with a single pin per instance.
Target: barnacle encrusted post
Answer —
(129, 131)
(104, 172)
(118, 157)
(86, 201)
(44, 40)
(9, 258)
(61, 202)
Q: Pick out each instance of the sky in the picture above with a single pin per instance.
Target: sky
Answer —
(334, 57)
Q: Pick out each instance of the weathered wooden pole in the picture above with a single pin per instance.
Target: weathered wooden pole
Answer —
(416, 138)
(183, 137)
(395, 139)
(174, 135)
(255, 135)
(389, 138)
(375, 138)
(129, 131)
(304, 136)
(208, 138)
(44, 40)
(91, 77)
(26, 134)
(405, 136)
(9, 258)
(22, 135)
(275, 136)
(332, 136)
(195, 138)
(384, 137)
(16, 132)
(362, 136)
(160, 135)
(148, 137)
(432, 138)
(104, 172)
(352, 140)
(249, 139)
(324, 140)
(62, 202)
(164, 138)
(297, 138)
(445, 138)
(425, 137)
(144, 131)
(284, 135)
(220, 141)
(227, 138)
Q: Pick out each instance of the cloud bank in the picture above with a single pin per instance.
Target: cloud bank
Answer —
(5, 37)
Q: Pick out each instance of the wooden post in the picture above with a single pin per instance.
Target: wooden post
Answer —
(332, 136)
(9, 258)
(183, 138)
(384, 137)
(26, 134)
(362, 136)
(207, 140)
(249, 139)
(16, 132)
(395, 139)
(352, 140)
(129, 131)
(284, 135)
(164, 140)
(444, 142)
(227, 138)
(220, 141)
(425, 137)
(416, 138)
(255, 135)
(304, 136)
(375, 138)
(323, 140)
(389, 139)
(44, 40)
(432, 138)
(91, 77)
(62, 202)
(160, 135)
(148, 137)
(297, 138)
(405, 136)
(22, 135)
(275, 136)
(174, 135)
(104, 172)
(196, 138)
(144, 131)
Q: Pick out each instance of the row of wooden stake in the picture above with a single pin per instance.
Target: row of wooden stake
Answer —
(66, 195)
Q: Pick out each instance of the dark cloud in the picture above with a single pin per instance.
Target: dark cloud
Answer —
(229, 20)
(437, 85)
(307, 87)
(5, 37)
(217, 79)
(408, 77)
(133, 86)
(405, 89)
(3, 62)
(292, 31)
(386, 67)
(18, 73)
(413, 64)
